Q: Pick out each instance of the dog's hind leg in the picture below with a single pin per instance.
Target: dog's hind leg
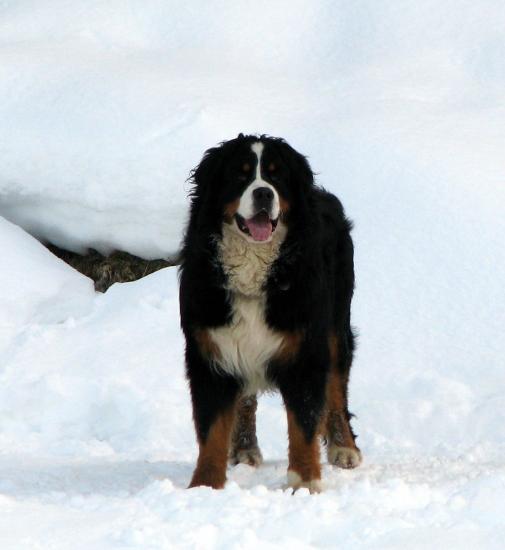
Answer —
(244, 445)
(341, 447)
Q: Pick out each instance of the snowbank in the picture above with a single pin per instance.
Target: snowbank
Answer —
(105, 108)
(37, 286)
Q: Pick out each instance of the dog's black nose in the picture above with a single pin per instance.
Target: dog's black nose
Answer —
(263, 197)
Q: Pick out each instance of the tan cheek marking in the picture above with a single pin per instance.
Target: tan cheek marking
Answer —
(230, 210)
(213, 453)
(284, 205)
(208, 347)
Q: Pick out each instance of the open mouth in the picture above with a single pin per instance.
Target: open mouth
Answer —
(260, 227)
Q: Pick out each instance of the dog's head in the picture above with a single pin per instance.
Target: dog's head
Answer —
(251, 183)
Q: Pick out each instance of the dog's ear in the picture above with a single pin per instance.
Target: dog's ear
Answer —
(203, 174)
(299, 166)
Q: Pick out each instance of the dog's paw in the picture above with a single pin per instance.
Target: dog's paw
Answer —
(252, 457)
(344, 457)
(295, 482)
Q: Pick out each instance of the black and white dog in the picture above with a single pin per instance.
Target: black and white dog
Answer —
(266, 284)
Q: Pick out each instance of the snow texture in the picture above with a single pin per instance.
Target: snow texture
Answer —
(104, 109)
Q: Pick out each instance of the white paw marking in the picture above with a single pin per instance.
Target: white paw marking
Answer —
(345, 457)
(295, 482)
(253, 457)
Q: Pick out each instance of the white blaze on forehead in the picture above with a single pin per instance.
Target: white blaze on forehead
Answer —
(257, 149)
(246, 206)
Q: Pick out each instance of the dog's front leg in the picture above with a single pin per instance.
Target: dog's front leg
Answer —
(304, 468)
(304, 400)
(214, 396)
(213, 452)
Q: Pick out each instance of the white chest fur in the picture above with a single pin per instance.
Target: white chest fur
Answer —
(247, 264)
(247, 343)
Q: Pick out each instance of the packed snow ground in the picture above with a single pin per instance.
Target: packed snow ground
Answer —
(104, 109)
(98, 447)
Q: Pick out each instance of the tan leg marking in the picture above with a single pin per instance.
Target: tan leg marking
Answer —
(291, 342)
(206, 344)
(341, 448)
(304, 468)
(212, 458)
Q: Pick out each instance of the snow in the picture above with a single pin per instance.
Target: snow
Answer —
(104, 109)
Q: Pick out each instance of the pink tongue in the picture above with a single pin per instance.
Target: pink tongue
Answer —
(260, 227)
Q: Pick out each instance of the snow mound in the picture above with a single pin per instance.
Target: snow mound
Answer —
(106, 108)
(37, 286)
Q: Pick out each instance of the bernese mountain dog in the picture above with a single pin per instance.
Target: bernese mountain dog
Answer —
(266, 283)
